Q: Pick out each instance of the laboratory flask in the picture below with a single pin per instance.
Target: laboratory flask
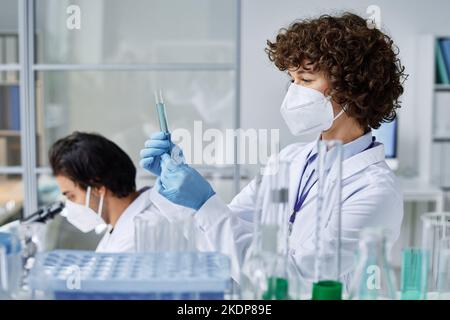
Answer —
(443, 277)
(10, 265)
(373, 278)
(435, 228)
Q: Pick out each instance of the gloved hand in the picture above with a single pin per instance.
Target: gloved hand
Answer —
(158, 144)
(182, 184)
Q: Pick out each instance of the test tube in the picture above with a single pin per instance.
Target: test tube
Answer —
(413, 274)
(443, 278)
(274, 232)
(176, 154)
(252, 278)
(435, 229)
(373, 277)
(161, 109)
(327, 262)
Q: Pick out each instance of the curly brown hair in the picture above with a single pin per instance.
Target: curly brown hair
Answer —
(360, 63)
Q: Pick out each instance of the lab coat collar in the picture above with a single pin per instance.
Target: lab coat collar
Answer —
(357, 146)
(362, 160)
(350, 167)
(138, 205)
(359, 162)
(349, 149)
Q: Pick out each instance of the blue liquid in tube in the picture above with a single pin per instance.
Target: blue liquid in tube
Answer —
(161, 109)
(176, 153)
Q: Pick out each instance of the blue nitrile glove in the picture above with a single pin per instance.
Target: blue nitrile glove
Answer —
(158, 144)
(182, 184)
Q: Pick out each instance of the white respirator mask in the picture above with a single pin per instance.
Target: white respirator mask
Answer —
(83, 217)
(307, 111)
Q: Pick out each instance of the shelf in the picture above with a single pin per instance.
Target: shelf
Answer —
(9, 133)
(442, 87)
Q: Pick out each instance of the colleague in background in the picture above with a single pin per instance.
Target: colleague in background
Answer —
(98, 180)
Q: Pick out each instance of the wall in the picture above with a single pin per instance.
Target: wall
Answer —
(8, 15)
(263, 86)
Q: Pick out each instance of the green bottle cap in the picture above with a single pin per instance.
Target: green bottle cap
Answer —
(327, 290)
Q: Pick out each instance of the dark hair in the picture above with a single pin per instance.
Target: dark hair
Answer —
(90, 159)
(361, 63)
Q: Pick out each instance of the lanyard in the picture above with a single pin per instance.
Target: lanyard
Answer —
(300, 200)
(302, 197)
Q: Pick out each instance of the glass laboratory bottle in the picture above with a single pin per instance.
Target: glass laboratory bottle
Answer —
(443, 278)
(435, 228)
(373, 278)
(275, 232)
(327, 260)
(252, 278)
(413, 284)
(10, 265)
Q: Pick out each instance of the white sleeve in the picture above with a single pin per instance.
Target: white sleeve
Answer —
(223, 228)
(228, 228)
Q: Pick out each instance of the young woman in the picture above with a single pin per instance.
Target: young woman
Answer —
(346, 80)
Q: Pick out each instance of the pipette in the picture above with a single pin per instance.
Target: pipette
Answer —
(176, 154)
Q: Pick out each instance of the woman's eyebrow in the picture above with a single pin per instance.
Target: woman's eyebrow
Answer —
(301, 71)
(305, 71)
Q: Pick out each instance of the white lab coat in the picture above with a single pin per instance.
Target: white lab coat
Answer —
(371, 197)
(121, 238)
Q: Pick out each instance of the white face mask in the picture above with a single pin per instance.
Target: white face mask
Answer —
(83, 217)
(307, 111)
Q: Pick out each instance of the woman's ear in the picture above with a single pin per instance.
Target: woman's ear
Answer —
(327, 92)
(100, 191)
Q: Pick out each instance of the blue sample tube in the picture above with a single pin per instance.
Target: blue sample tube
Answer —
(176, 154)
(161, 109)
